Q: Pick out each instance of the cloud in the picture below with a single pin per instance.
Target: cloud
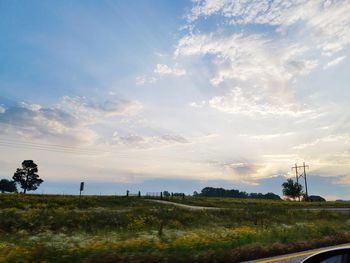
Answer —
(139, 141)
(242, 169)
(340, 138)
(2, 109)
(263, 137)
(159, 71)
(276, 13)
(265, 65)
(92, 112)
(324, 22)
(67, 122)
(31, 121)
(163, 69)
(237, 102)
(200, 104)
(264, 70)
(142, 80)
(280, 157)
(247, 172)
(343, 180)
(334, 62)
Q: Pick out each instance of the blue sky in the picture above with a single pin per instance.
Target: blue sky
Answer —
(176, 95)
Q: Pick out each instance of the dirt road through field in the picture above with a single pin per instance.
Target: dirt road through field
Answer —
(193, 207)
(186, 206)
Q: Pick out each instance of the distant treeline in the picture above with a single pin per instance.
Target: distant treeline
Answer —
(221, 192)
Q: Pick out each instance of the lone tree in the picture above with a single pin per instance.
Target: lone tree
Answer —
(292, 189)
(27, 177)
(7, 186)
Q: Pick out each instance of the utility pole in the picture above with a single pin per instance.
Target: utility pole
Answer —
(296, 176)
(304, 166)
(296, 167)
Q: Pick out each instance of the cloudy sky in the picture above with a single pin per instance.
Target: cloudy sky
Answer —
(176, 95)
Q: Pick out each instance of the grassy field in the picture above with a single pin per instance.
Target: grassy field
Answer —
(243, 203)
(37, 228)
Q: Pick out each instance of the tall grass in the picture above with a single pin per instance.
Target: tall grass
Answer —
(66, 229)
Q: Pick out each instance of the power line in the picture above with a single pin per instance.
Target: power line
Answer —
(51, 147)
(32, 147)
(44, 144)
(48, 147)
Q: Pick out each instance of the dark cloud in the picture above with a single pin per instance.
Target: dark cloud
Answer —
(174, 138)
(35, 122)
(148, 141)
(129, 139)
(24, 116)
(92, 112)
(17, 116)
(58, 115)
(69, 121)
(242, 168)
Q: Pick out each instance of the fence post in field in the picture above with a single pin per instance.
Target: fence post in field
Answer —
(161, 195)
(139, 194)
(183, 196)
(127, 193)
(172, 195)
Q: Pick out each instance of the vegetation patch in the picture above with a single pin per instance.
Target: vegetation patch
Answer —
(109, 229)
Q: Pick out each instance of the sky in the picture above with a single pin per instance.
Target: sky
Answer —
(176, 95)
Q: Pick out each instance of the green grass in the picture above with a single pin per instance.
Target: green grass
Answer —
(242, 203)
(38, 228)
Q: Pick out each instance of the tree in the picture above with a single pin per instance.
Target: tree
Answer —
(7, 186)
(27, 177)
(234, 193)
(166, 194)
(271, 196)
(292, 189)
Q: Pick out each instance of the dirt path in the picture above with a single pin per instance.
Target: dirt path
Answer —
(331, 209)
(192, 207)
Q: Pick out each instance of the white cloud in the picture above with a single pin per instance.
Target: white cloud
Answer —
(334, 62)
(325, 23)
(265, 66)
(264, 69)
(200, 104)
(163, 69)
(142, 80)
(236, 102)
(2, 109)
(31, 106)
(271, 136)
(343, 139)
(159, 71)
